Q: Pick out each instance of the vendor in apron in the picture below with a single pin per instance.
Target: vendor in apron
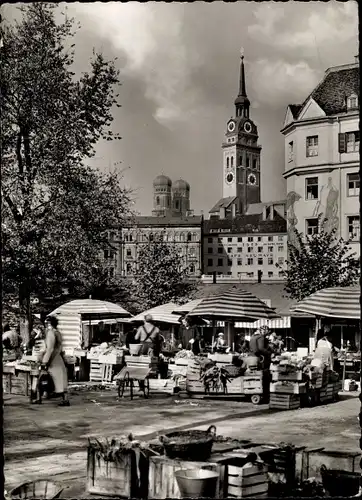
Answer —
(149, 336)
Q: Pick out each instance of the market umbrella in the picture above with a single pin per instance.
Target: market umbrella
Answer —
(72, 314)
(338, 302)
(188, 307)
(234, 305)
(92, 308)
(160, 314)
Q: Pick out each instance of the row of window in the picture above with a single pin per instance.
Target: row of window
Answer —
(251, 274)
(240, 239)
(250, 162)
(348, 143)
(249, 262)
(312, 186)
(130, 268)
(353, 227)
(190, 251)
(249, 249)
(128, 237)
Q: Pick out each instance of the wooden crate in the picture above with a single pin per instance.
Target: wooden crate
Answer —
(235, 386)
(110, 359)
(95, 374)
(162, 482)
(107, 373)
(182, 362)
(92, 356)
(221, 358)
(291, 376)
(162, 385)
(290, 388)
(313, 459)
(249, 480)
(195, 386)
(284, 401)
(252, 384)
(138, 360)
(117, 479)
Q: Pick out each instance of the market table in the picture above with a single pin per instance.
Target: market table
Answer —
(18, 379)
(131, 374)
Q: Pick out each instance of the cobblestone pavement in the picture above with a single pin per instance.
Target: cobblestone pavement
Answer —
(47, 440)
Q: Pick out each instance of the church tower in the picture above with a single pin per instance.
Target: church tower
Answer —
(161, 196)
(241, 152)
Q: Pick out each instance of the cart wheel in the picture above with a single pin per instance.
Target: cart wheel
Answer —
(256, 399)
(123, 383)
(146, 390)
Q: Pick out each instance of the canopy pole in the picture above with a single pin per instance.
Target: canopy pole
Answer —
(213, 334)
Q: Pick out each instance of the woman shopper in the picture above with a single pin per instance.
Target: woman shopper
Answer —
(53, 361)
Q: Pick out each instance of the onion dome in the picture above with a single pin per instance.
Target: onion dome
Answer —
(181, 185)
(162, 180)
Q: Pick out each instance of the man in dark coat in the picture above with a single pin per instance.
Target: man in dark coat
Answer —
(186, 332)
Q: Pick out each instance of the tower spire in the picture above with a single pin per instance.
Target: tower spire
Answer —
(242, 102)
(242, 86)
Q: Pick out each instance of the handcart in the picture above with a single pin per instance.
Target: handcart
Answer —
(127, 377)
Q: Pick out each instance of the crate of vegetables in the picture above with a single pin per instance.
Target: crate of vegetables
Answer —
(118, 467)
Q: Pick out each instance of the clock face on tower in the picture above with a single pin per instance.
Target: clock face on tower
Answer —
(252, 179)
(229, 177)
(247, 127)
(231, 126)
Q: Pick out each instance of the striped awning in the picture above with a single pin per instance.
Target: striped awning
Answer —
(234, 305)
(90, 307)
(160, 314)
(188, 307)
(338, 302)
(273, 324)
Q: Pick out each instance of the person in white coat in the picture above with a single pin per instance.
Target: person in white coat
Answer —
(53, 360)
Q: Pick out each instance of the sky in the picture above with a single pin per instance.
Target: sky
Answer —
(179, 68)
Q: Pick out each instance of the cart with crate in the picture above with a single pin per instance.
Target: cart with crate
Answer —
(235, 386)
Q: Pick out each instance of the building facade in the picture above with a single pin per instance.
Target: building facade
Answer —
(244, 239)
(185, 233)
(322, 157)
(247, 247)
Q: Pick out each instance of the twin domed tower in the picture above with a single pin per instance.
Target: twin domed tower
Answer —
(170, 198)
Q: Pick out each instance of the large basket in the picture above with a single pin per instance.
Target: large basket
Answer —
(189, 445)
(40, 489)
(340, 483)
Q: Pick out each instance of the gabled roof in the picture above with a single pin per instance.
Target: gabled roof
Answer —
(311, 109)
(223, 203)
(331, 93)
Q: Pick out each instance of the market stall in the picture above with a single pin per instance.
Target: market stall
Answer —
(161, 377)
(225, 372)
(90, 329)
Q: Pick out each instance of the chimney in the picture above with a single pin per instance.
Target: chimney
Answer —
(222, 212)
(233, 210)
(264, 212)
(271, 214)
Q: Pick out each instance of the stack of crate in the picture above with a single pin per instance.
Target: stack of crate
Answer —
(286, 387)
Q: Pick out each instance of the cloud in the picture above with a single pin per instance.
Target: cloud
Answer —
(152, 39)
(334, 23)
(277, 82)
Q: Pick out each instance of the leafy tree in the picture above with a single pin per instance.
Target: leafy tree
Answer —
(55, 209)
(161, 276)
(319, 261)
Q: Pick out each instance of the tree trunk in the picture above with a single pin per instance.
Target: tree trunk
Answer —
(24, 312)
